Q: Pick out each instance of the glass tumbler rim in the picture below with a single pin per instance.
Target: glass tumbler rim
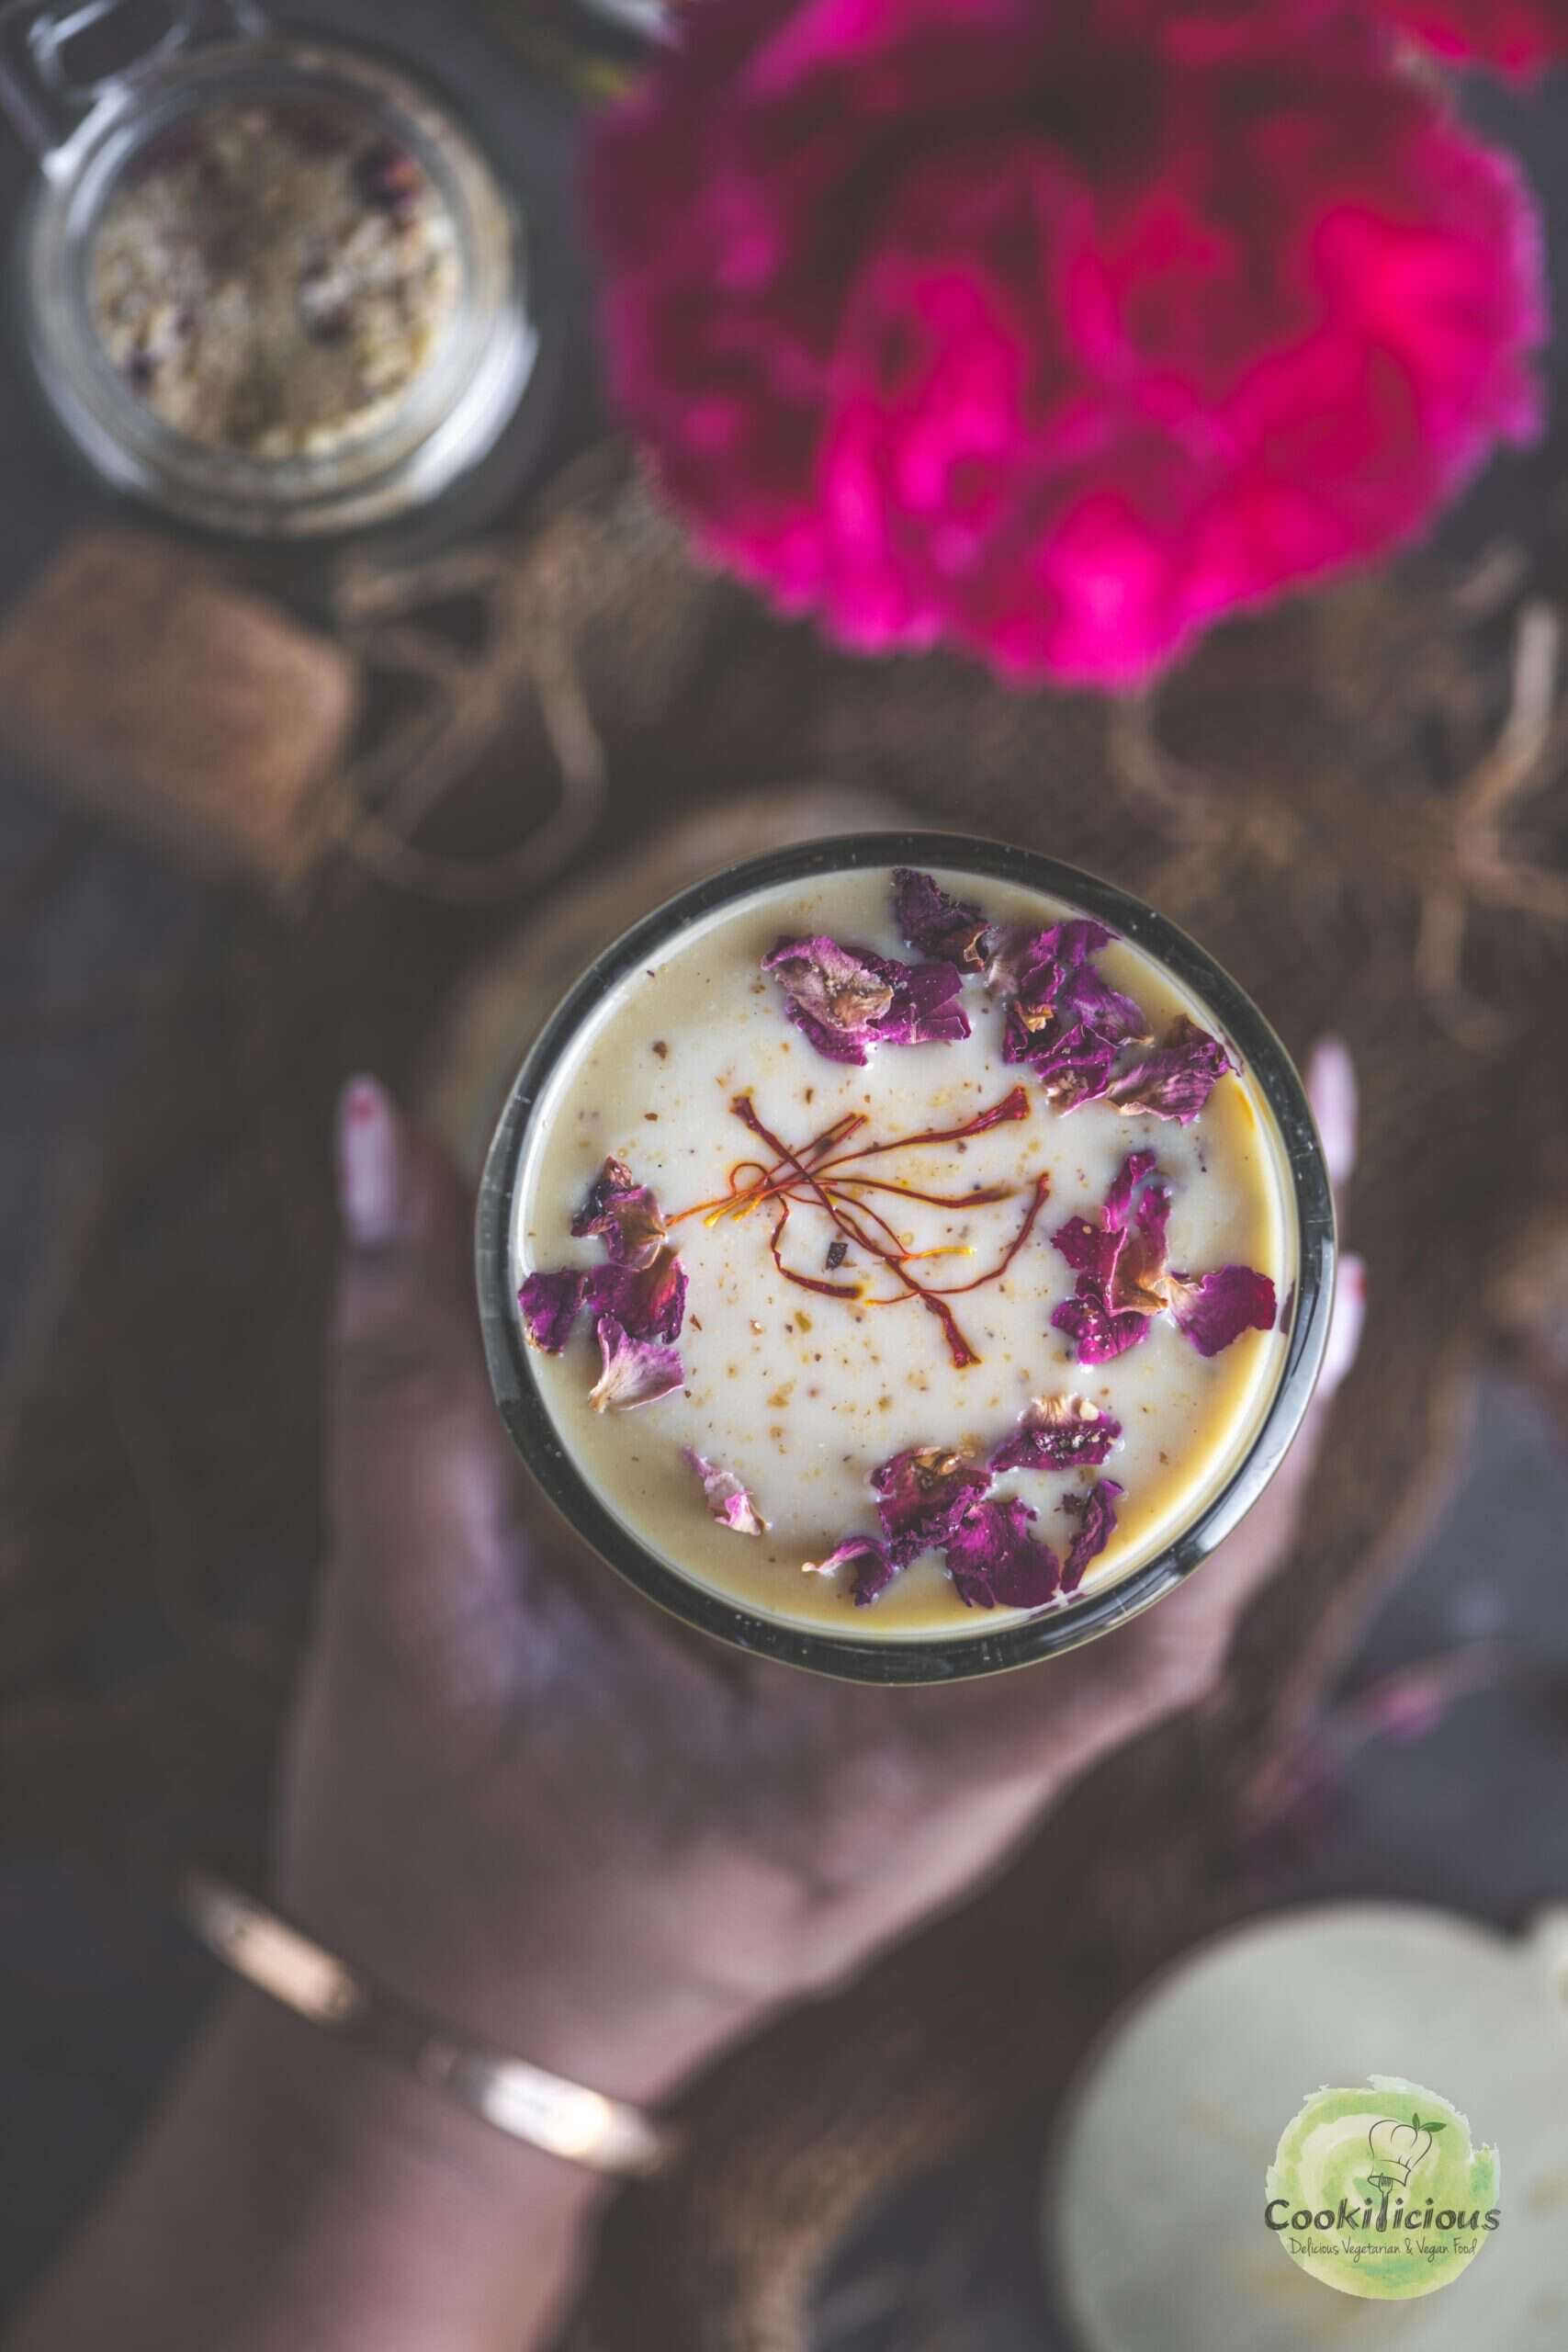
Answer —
(936, 1658)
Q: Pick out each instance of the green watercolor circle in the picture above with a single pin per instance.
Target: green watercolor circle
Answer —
(1389, 2172)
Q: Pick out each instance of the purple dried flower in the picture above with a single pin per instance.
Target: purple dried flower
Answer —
(873, 1570)
(1062, 1016)
(551, 1305)
(1096, 1512)
(727, 1498)
(1058, 1433)
(1216, 1309)
(1123, 1280)
(623, 1213)
(847, 1000)
(1176, 1080)
(1100, 1337)
(650, 1301)
(921, 1495)
(934, 925)
(995, 1563)
(636, 1372)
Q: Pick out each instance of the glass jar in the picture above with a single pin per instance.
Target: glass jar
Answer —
(1306, 1272)
(89, 121)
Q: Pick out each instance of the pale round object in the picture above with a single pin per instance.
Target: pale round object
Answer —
(1154, 2228)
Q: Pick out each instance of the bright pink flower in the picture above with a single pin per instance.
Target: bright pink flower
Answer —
(1515, 36)
(1057, 328)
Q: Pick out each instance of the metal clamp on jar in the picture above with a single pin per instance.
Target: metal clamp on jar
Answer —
(269, 283)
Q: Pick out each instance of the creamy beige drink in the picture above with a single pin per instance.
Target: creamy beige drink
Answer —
(875, 1325)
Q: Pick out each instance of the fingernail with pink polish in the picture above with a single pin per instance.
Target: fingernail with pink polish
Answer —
(368, 1162)
(1331, 1089)
(1347, 1324)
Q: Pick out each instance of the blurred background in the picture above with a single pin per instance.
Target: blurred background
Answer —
(371, 802)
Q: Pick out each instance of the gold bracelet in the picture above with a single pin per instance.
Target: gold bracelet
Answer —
(522, 2100)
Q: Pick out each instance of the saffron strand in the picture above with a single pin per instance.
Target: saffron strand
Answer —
(835, 1185)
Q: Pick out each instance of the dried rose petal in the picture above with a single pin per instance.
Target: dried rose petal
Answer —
(840, 1556)
(925, 1011)
(1073, 1043)
(1137, 1279)
(1089, 1249)
(649, 1300)
(873, 1575)
(847, 1000)
(1073, 1063)
(636, 1372)
(1100, 1336)
(1124, 1281)
(625, 1215)
(1107, 1316)
(1058, 1433)
(550, 1305)
(934, 925)
(1093, 1251)
(1096, 1513)
(1063, 1016)
(726, 1498)
(1118, 1209)
(1033, 963)
(995, 1563)
(1176, 1080)
(922, 1493)
(1075, 1068)
(1213, 1309)
(1103, 1007)
(832, 986)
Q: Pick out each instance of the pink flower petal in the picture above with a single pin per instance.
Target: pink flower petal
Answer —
(949, 930)
(649, 1300)
(1124, 1281)
(873, 1570)
(1058, 1433)
(1176, 1080)
(636, 1372)
(1096, 1512)
(1213, 1309)
(551, 1305)
(1100, 1336)
(1516, 37)
(625, 1215)
(922, 1493)
(1152, 312)
(847, 1000)
(726, 1496)
(995, 1563)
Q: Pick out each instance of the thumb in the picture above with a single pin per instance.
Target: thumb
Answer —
(422, 1486)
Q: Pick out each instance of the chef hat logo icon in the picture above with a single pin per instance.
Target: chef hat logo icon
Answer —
(1398, 2148)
